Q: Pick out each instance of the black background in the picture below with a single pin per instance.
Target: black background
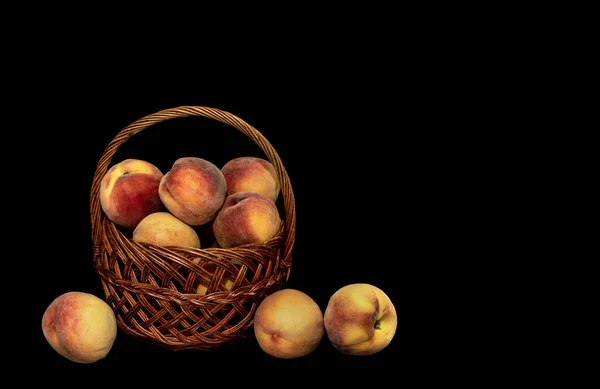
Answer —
(401, 138)
(361, 165)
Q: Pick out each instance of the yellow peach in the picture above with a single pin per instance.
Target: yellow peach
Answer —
(360, 319)
(164, 229)
(288, 324)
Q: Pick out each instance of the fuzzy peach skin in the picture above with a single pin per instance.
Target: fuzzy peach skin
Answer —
(360, 319)
(80, 326)
(288, 324)
(129, 192)
(251, 174)
(246, 217)
(193, 190)
(164, 229)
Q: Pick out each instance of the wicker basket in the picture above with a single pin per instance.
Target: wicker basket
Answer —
(151, 288)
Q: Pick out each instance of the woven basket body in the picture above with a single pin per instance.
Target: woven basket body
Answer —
(152, 289)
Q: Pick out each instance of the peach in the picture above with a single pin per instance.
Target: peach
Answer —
(80, 326)
(251, 174)
(288, 324)
(129, 192)
(193, 190)
(360, 319)
(246, 217)
(164, 229)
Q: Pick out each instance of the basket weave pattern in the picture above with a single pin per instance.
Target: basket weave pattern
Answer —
(152, 289)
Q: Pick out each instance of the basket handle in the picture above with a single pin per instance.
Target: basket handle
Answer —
(211, 113)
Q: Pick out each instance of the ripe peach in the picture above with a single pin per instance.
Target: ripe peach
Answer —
(193, 190)
(164, 229)
(246, 217)
(129, 192)
(80, 326)
(288, 324)
(360, 319)
(251, 174)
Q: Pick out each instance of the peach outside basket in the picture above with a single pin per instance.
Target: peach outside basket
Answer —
(151, 288)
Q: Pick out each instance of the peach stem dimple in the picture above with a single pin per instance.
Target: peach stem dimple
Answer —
(378, 325)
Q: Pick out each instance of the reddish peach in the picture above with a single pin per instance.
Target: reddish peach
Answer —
(80, 326)
(251, 174)
(193, 190)
(246, 217)
(129, 192)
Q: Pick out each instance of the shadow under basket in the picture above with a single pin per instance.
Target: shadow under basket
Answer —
(152, 289)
